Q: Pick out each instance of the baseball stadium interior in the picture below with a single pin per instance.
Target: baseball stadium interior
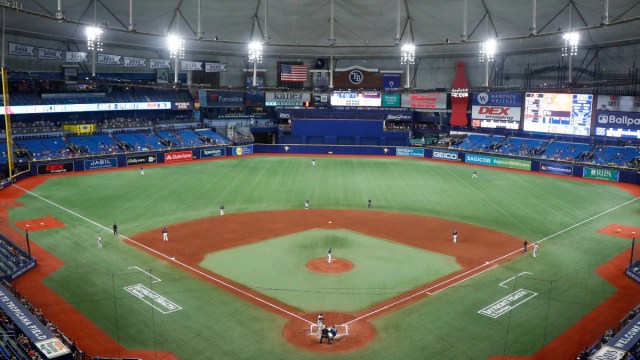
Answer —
(554, 83)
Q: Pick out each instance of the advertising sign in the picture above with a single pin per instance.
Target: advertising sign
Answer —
(496, 110)
(392, 81)
(212, 153)
(182, 105)
(142, 159)
(52, 348)
(100, 164)
(218, 98)
(498, 162)
(390, 100)
(274, 98)
(242, 150)
(254, 98)
(177, 156)
(320, 99)
(59, 168)
(558, 169)
(617, 124)
(619, 103)
(409, 152)
(445, 155)
(601, 174)
(434, 101)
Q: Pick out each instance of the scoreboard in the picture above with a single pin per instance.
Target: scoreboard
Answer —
(557, 113)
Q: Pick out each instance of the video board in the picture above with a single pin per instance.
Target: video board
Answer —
(356, 98)
(496, 110)
(558, 113)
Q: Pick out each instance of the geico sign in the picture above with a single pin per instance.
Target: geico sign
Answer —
(445, 155)
(620, 120)
(494, 110)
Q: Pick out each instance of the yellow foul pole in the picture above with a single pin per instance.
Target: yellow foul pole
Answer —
(7, 120)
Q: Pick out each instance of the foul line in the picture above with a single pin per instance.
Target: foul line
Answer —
(513, 277)
(169, 258)
(487, 263)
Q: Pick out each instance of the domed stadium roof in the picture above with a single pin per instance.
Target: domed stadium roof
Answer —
(345, 28)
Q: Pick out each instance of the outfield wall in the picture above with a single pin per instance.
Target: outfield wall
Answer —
(138, 160)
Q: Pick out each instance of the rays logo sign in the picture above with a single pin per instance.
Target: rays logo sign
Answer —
(356, 77)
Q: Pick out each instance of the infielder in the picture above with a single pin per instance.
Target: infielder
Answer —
(330, 255)
(455, 236)
(306, 204)
(99, 241)
(221, 210)
(165, 234)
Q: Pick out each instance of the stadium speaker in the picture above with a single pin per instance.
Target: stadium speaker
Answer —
(320, 64)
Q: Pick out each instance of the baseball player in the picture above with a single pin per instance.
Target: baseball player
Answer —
(221, 210)
(455, 236)
(306, 204)
(141, 171)
(313, 162)
(474, 175)
(320, 322)
(99, 241)
(535, 249)
(330, 255)
(115, 229)
(165, 234)
(369, 204)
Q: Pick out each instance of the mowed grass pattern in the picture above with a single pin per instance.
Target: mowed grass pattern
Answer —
(383, 269)
(215, 322)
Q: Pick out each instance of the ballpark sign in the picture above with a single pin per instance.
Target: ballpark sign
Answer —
(55, 168)
(212, 153)
(100, 164)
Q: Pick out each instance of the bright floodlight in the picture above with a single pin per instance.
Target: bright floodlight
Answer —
(255, 52)
(176, 46)
(94, 38)
(408, 54)
(488, 50)
(571, 41)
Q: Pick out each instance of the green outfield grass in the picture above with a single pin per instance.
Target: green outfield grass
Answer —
(383, 269)
(213, 321)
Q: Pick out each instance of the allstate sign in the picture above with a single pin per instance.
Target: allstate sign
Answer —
(445, 155)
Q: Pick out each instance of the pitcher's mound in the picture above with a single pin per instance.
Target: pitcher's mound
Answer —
(337, 266)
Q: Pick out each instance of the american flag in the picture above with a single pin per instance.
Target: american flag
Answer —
(295, 73)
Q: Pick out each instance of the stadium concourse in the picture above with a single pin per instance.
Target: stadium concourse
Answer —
(542, 87)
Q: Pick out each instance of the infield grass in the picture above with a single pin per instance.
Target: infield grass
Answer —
(211, 319)
(383, 269)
